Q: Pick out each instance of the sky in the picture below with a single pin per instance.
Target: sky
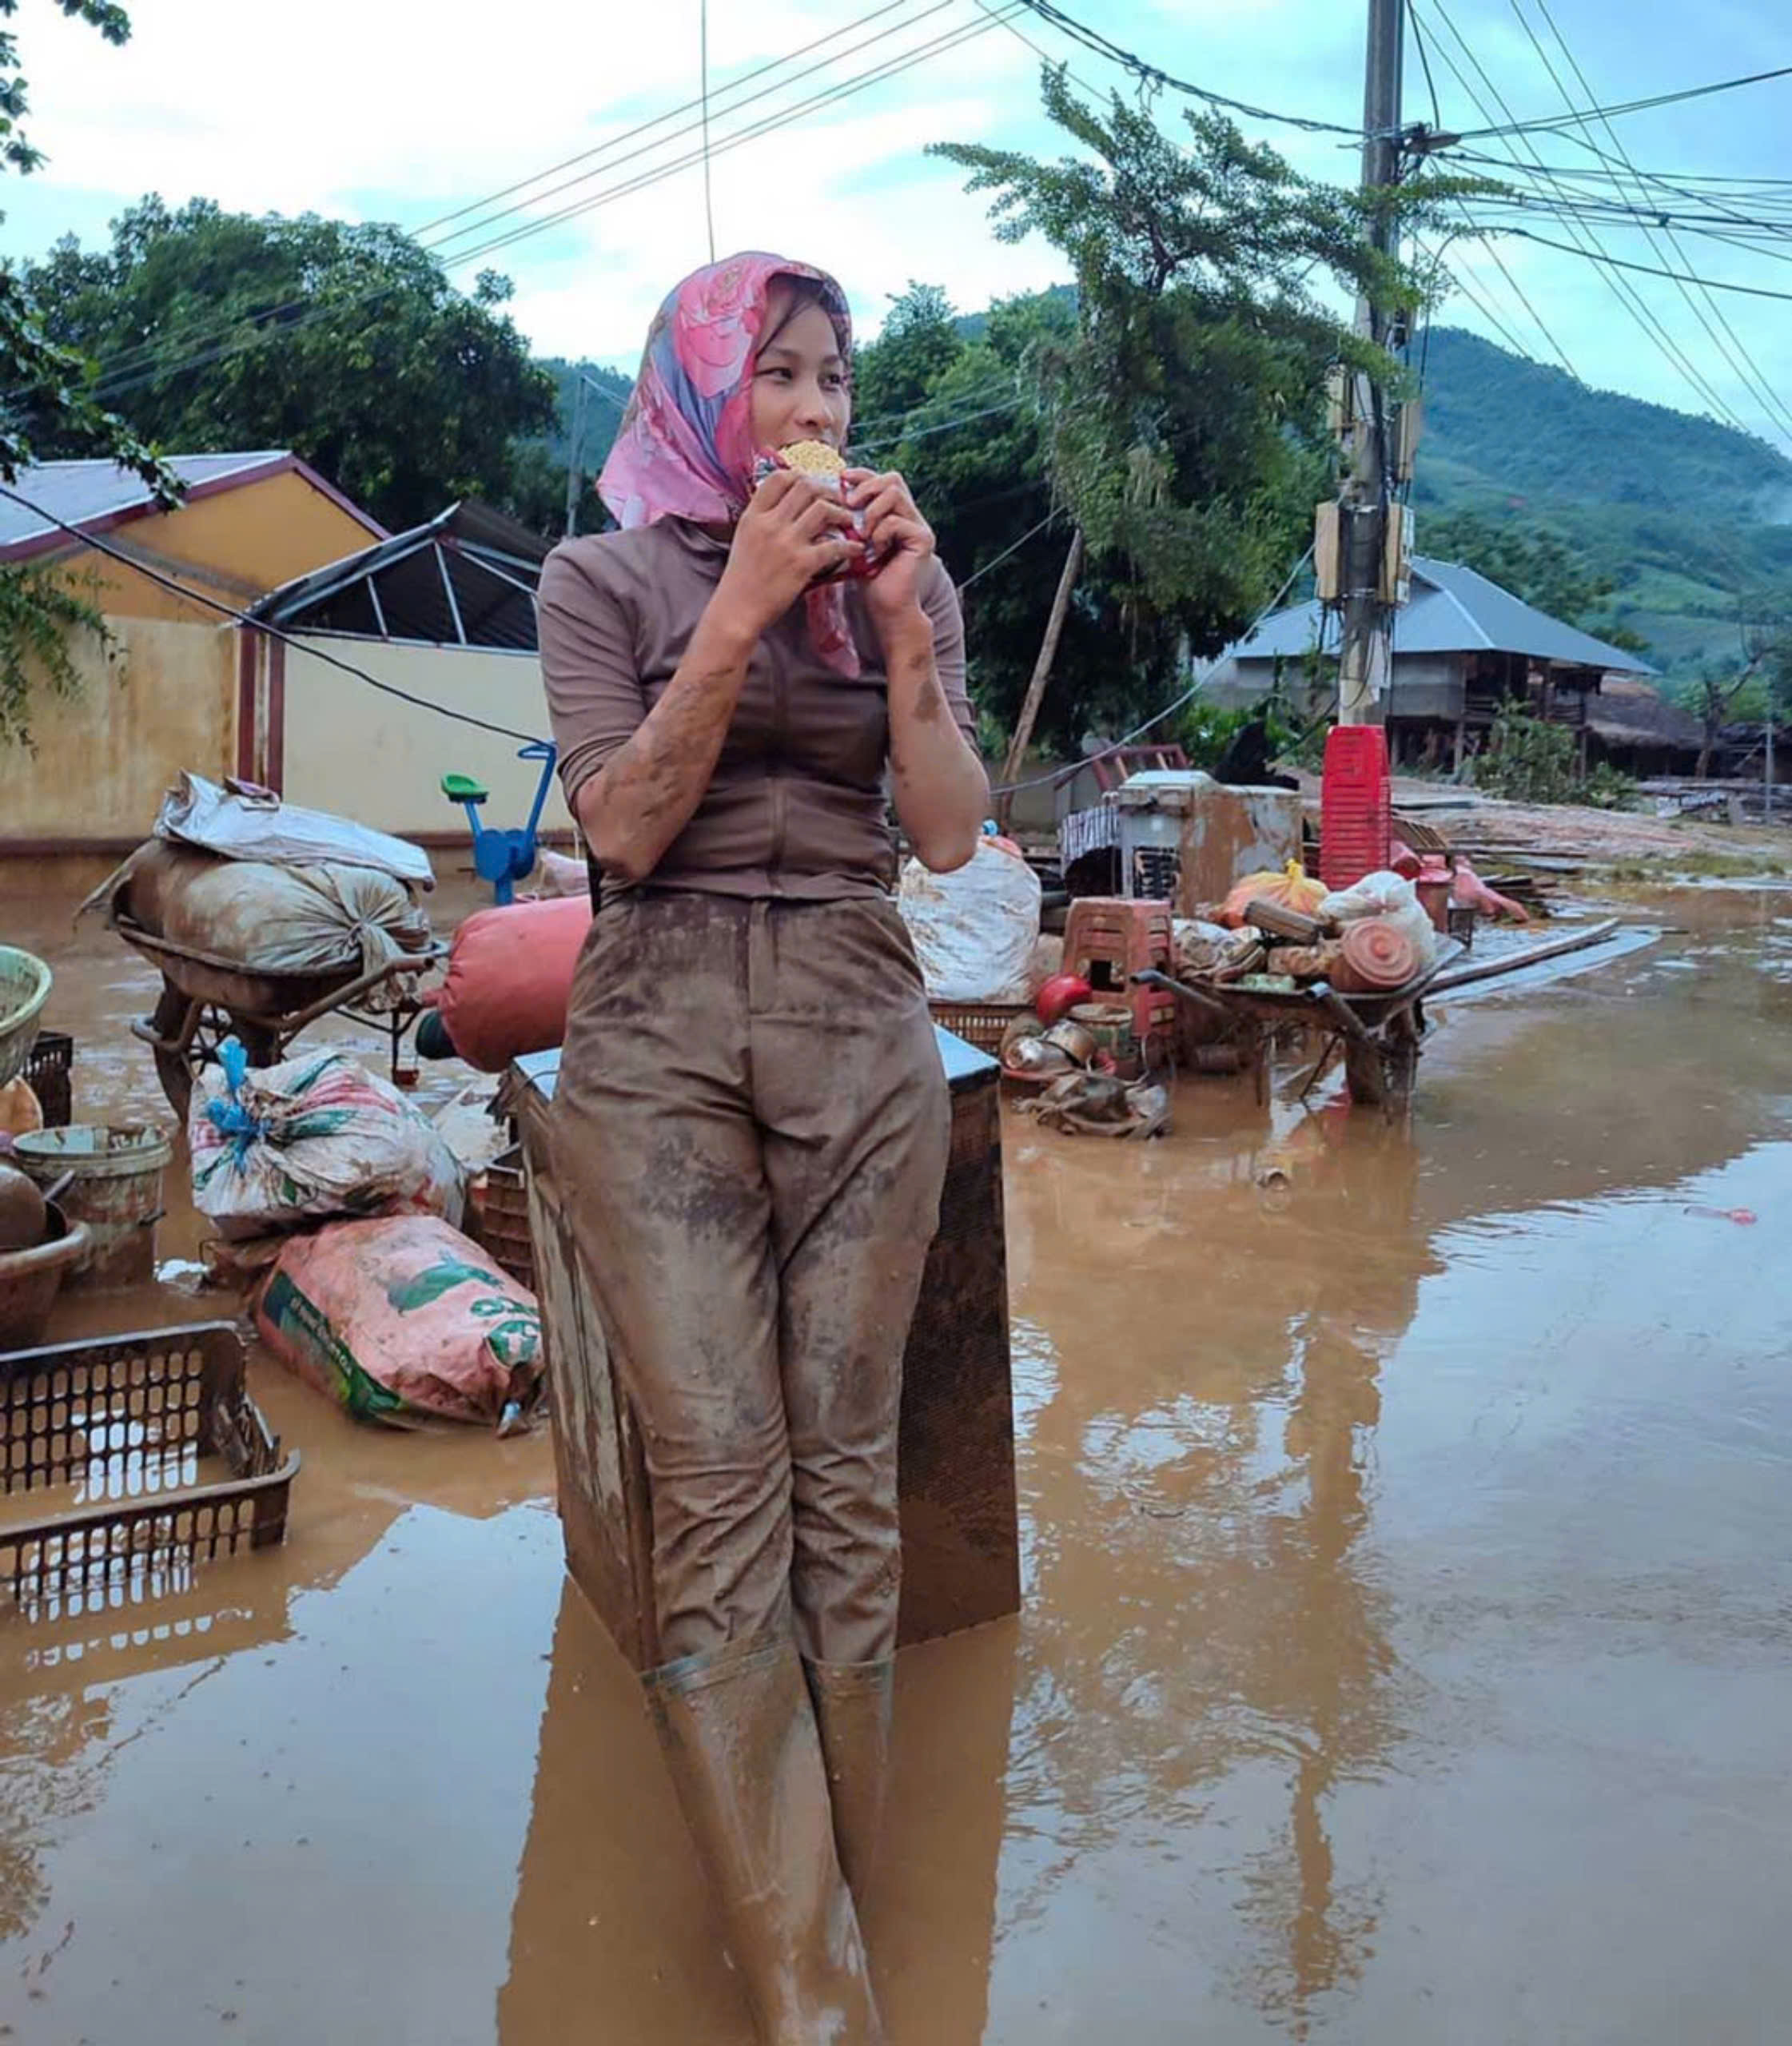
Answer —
(411, 110)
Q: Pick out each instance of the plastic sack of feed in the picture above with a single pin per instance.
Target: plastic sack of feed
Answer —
(278, 1146)
(404, 1316)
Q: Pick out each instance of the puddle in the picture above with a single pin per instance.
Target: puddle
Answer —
(1404, 1658)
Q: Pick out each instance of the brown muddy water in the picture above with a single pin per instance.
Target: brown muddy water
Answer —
(1406, 1652)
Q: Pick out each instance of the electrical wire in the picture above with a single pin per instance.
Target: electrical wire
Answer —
(192, 596)
(1650, 270)
(1555, 121)
(1626, 293)
(1724, 335)
(1152, 74)
(702, 60)
(977, 575)
(1461, 207)
(1067, 774)
(129, 360)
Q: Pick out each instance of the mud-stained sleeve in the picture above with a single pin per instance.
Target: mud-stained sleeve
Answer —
(940, 601)
(595, 697)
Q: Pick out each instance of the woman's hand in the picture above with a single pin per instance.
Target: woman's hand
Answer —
(792, 532)
(895, 528)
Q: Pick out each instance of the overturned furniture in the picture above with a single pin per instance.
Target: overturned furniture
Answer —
(961, 1538)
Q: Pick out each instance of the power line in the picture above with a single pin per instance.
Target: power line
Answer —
(703, 43)
(1747, 368)
(1169, 709)
(1551, 122)
(192, 595)
(129, 360)
(1650, 270)
(977, 575)
(1627, 296)
(1152, 74)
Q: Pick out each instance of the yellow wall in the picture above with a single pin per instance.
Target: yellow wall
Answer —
(237, 544)
(166, 700)
(367, 756)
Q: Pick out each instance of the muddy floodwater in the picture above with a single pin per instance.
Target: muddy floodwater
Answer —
(1406, 1658)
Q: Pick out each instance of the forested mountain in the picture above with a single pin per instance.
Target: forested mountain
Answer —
(1689, 521)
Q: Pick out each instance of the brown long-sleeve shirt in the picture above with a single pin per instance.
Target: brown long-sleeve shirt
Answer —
(796, 806)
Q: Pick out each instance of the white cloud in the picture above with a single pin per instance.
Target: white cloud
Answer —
(407, 110)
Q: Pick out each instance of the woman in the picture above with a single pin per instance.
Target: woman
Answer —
(751, 1113)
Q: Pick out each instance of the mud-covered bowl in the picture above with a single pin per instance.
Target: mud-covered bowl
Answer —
(30, 1280)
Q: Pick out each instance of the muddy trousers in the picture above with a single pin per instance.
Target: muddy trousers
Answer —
(753, 1122)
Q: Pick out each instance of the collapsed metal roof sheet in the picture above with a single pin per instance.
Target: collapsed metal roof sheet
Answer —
(467, 578)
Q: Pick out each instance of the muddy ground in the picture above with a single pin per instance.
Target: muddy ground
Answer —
(1404, 1657)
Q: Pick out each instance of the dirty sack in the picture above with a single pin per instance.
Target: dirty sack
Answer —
(277, 1147)
(1390, 898)
(1098, 1105)
(403, 1317)
(509, 979)
(1291, 890)
(975, 930)
(241, 821)
(266, 918)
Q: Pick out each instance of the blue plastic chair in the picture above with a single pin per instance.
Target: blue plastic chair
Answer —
(503, 857)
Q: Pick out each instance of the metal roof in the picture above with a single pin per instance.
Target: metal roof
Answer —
(98, 494)
(467, 578)
(1454, 609)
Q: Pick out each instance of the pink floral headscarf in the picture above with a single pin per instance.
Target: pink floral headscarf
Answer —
(685, 449)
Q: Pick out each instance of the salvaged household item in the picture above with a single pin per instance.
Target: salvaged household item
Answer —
(315, 1138)
(1379, 1036)
(1102, 1105)
(240, 821)
(503, 856)
(21, 1210)
(509, 976)
(24, 983)
(1059, 995)
(1187, 839)
(1356, 822)
(1375, 957)
(30, 1280)
(404, 1317)
(1110, 942)
(174, 1463)
(503, 1216)
(1290, 889)
(208, 995)
(113, 1177)
(1390, 898)
(975, 928)
(49, 1072)
(960, 1529)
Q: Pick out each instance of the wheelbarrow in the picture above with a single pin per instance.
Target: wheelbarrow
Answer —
(1378, 1035)
(503, 857)
(205, 1000)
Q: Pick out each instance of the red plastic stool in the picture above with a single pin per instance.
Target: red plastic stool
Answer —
(1356, 805)
(1107, 940)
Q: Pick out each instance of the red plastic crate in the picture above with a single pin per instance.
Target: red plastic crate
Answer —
(1356, 805)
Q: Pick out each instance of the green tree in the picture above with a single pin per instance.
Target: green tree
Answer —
(48, 386)
(1183, 416)
(346, 344)
(1533, 563)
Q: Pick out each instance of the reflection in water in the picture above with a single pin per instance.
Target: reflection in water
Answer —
(1201, 1464)
(611, 1918)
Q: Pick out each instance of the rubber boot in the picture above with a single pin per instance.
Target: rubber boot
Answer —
(739, 1735)
(853, 1702)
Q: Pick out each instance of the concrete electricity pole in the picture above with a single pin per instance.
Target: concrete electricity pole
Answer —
(1364, 664)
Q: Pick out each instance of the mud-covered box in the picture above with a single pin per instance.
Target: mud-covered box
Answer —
(960, 1534)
